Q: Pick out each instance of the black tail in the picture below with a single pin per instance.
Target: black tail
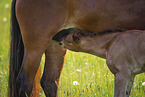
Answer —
(16, 51)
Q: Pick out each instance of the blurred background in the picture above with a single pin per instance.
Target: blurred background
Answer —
(83, 75)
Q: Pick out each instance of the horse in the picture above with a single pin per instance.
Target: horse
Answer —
(123, 51)
(35, 22)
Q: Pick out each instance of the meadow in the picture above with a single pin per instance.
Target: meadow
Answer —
(83, 75)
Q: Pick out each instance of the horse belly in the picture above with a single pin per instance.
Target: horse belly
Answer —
(100, 15)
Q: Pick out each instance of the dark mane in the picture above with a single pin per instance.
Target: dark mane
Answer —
(110, 31)
(58, 37)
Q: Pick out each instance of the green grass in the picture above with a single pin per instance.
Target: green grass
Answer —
(92, 74)
(4, 46)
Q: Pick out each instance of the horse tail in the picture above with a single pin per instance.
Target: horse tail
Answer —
(16, 51)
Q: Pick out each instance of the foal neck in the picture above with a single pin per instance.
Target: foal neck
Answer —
(99, 44)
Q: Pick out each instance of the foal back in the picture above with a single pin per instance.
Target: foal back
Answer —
(100, 15)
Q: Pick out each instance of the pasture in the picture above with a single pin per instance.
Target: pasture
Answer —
(83, 75)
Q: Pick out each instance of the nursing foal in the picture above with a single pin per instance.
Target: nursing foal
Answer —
(124, 53)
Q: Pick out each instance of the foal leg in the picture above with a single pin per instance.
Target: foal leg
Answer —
(53, 66)
(121, 81)
(129, 85)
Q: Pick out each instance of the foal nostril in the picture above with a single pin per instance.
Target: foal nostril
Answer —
(61, 44)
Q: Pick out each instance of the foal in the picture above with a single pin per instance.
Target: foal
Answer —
(124, 53)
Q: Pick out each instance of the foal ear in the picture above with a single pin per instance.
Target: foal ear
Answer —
(73, 37)
(76, 36)
(69, 38)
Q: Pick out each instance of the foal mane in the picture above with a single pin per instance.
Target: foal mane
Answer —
(110, 31)
(58, 37)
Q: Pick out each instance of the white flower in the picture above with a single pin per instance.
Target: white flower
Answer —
(75, 83)
(4, 19)
(93, 73)
(6, 5)
(79, 70)
(87, 63)
(143, 83)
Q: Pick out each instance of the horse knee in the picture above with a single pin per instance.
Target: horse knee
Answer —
(50, 88)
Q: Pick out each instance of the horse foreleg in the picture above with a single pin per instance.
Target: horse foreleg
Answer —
(53, 66)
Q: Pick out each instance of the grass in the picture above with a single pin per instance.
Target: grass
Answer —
(83, 75)
(4, 46)
(92, 77)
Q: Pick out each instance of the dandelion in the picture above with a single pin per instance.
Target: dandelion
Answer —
(87, 63)
(93, 73)
(143, 83)
(4, 19)
(75, 83)
(6, 5)
(79, 70)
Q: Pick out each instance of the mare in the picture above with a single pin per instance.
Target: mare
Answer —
(35, 22)
(124, 53)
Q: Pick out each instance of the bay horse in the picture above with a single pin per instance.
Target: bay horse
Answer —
(35, 22)
(124, 53)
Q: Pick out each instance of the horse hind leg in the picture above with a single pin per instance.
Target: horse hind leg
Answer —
(30, 65)
(53, 66)
(31, 61)
(24, 83)
(37, 28)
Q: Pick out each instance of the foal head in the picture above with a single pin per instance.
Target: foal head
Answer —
(79, 41)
